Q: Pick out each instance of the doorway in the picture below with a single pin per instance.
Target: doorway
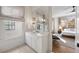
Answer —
(63, 29)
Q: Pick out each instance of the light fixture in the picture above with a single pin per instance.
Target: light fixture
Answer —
(44, 18)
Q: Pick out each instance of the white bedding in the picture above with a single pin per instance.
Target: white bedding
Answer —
(69, 32)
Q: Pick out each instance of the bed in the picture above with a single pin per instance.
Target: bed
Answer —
(69, 32)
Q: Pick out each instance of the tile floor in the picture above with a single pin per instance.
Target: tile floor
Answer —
(21, 49)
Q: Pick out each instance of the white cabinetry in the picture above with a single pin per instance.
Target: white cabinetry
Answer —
(38, 41)
(28, 38)
(34, 42)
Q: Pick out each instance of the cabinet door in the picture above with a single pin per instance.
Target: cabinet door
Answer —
(39, 44)
(34, 42)
(29, 39)
(42, 44)
(45, 43)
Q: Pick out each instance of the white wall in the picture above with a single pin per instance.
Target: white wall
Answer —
(77, 28)
(11, 38)
(53, 25)
(77, 36)
(50, 29)
(28, 19)
(56, 25)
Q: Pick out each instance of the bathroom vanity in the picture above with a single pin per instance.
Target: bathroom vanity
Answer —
(37, 41)
(37, 36)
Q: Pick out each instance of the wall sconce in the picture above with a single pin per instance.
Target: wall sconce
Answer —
(33, 20)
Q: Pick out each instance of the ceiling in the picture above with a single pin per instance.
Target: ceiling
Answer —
(58, 9)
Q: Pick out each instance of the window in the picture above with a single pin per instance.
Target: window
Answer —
(9, 25)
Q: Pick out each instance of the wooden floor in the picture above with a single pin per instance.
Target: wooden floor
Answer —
(60, 48)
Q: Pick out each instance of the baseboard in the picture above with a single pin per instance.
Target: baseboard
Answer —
(31, 48)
